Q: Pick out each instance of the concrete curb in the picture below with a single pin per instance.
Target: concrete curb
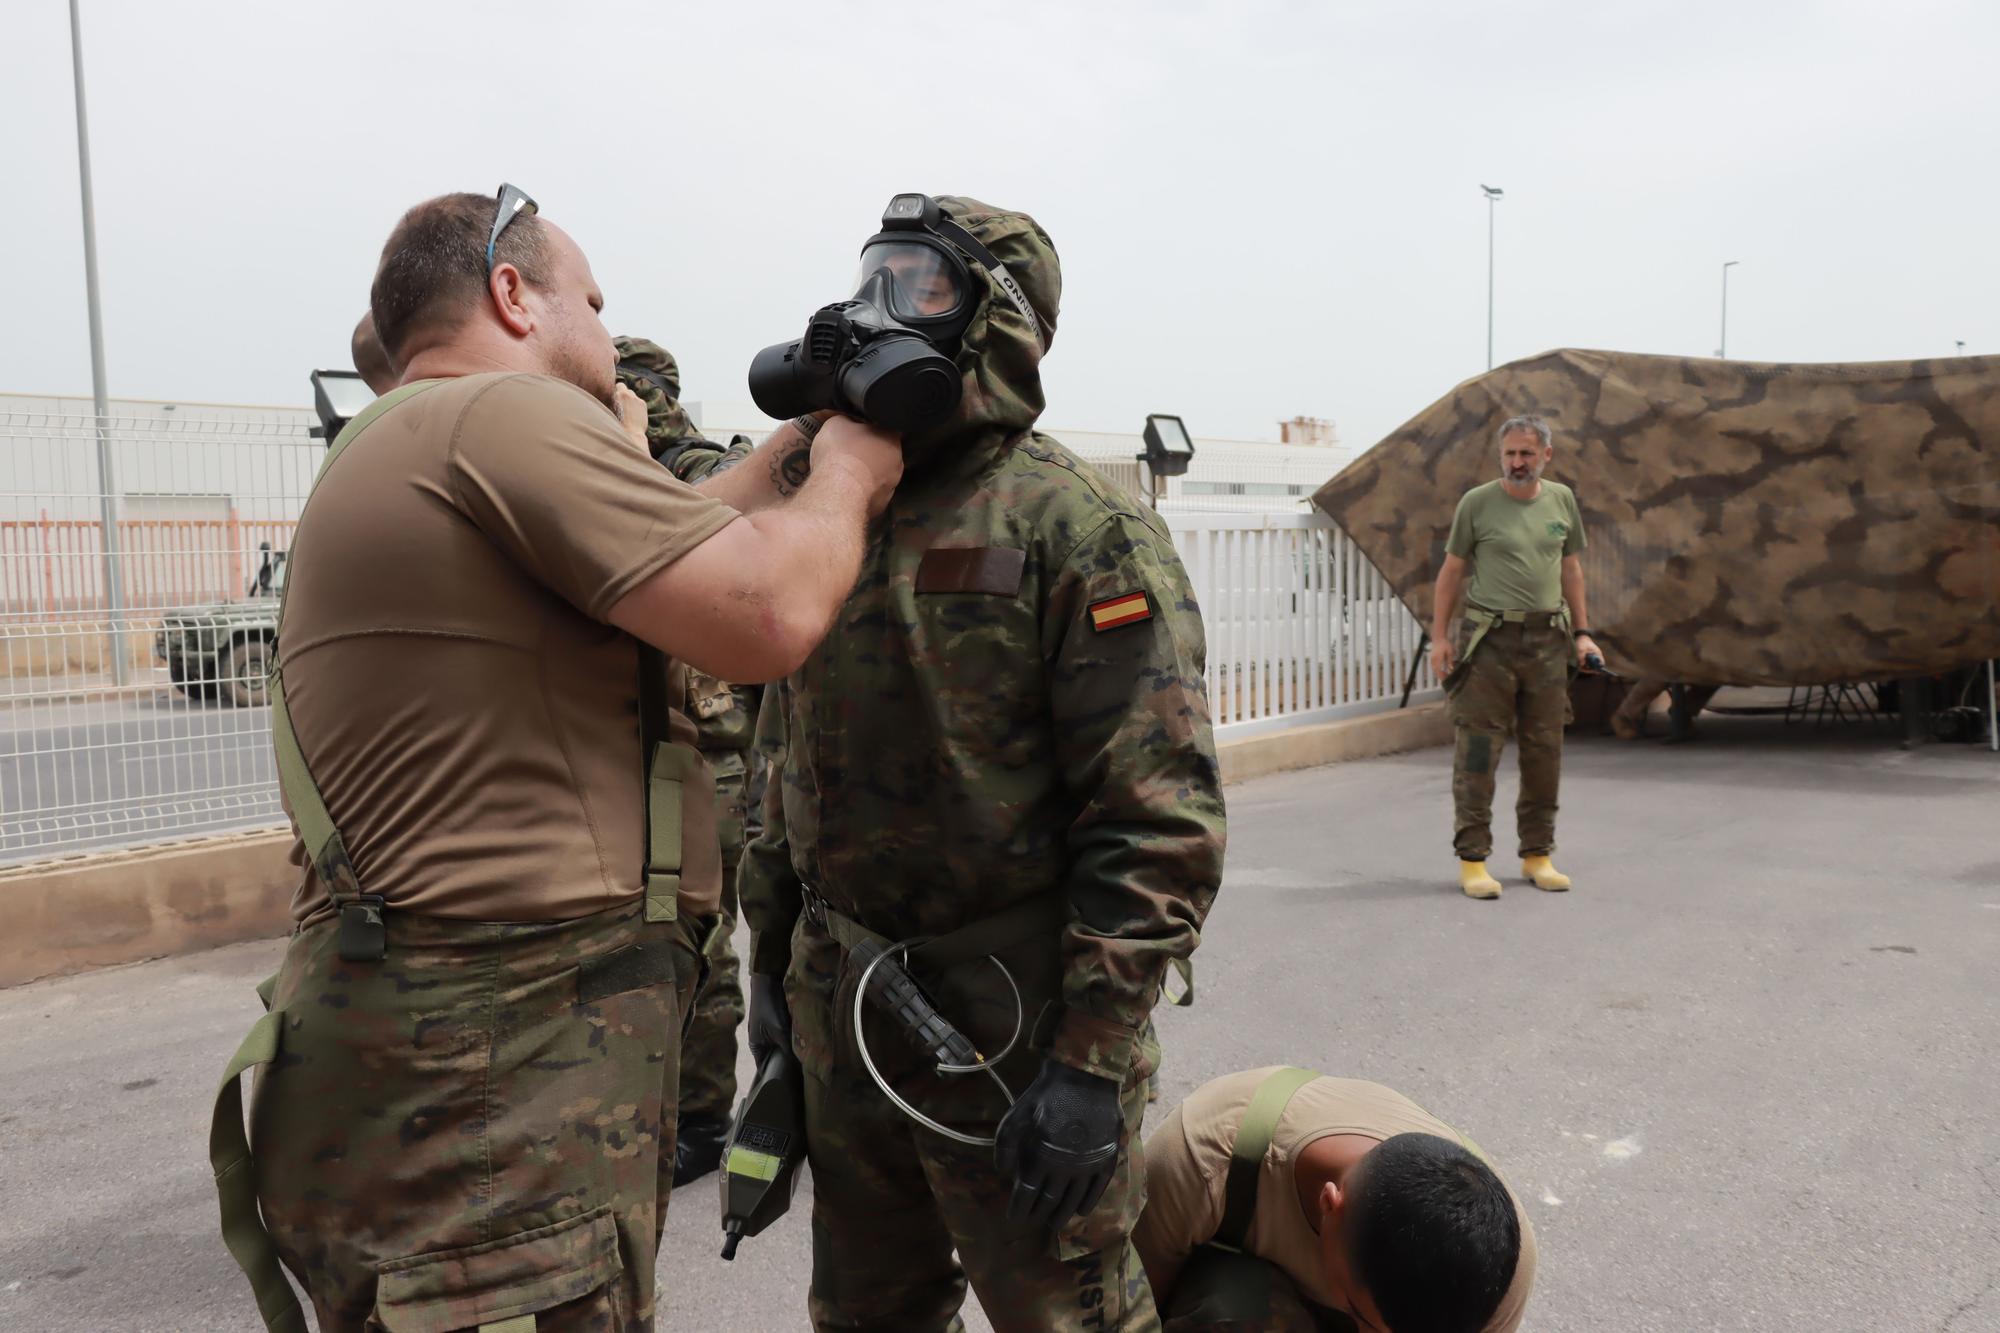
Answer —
(109, 908)
(1336, 742)
(125, 907)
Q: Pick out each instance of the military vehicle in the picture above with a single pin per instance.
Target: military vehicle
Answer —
(225, 650)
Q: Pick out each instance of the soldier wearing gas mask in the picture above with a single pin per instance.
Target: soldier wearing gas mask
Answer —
(1001, 758)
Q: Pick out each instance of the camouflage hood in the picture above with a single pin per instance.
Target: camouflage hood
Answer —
(1000, 356)
(649, 370)
(1748, 523)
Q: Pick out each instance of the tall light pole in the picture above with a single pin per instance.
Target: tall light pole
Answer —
(114, 593)
(1722, 347)
(1493, 193)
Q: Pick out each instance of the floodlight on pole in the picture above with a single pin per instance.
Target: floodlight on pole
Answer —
(1169, 450)
(1493, 196)
(1722, 347)
(339, 396)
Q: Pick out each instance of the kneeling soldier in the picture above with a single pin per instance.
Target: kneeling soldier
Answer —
(1285, 1202)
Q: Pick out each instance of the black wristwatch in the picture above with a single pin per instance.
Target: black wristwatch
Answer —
(1579, 633)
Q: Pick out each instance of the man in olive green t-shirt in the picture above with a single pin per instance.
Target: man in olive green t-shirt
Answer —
(1505, 662)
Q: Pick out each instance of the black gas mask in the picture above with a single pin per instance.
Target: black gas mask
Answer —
(887, 354)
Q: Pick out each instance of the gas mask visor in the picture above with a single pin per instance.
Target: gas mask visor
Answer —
(923, 262)
(918, 283)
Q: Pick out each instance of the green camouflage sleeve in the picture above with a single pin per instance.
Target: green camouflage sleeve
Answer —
(691, 460)
(1136, 750)
(765, 881)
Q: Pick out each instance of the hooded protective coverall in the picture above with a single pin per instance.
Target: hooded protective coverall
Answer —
(1009, 713)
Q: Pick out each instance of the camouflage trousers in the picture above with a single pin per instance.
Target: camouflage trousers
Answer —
(1515, 682)
(478, 1127)
(708, 1051)
(903, 1218)
(1224, 1292)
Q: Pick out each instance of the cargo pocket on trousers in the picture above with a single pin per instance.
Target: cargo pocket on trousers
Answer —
(568, 1275)
(1462, 633)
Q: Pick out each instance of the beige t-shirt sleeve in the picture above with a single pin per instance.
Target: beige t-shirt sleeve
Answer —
(543, 470)
(1183, 1207)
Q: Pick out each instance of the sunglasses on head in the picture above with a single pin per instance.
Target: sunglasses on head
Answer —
(513, 202)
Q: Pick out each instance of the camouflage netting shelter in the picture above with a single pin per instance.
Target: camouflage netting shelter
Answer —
(1749, 524)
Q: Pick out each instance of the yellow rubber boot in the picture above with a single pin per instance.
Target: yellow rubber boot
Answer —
(1472, 877)
(1544, 874)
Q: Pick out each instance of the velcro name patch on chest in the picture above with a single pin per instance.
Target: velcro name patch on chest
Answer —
(1129, 609)
(993, 570)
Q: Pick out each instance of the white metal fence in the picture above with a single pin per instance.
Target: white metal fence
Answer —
(139, 560)
(132, 704)
(1301, 628)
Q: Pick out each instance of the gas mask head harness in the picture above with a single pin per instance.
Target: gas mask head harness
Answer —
(887, 354)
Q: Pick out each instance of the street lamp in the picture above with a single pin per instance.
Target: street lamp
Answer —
(1493, 193)
(107, 501)
(1722, 350)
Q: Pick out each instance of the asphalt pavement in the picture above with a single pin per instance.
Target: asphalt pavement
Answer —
(1745, 1077)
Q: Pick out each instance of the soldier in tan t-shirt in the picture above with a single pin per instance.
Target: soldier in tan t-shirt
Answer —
(1317, 1205)
(440, 585)
(467, 1116)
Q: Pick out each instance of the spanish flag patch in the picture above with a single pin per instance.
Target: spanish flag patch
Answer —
(1127, 610)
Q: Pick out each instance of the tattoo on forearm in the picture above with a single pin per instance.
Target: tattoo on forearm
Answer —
(790, 469)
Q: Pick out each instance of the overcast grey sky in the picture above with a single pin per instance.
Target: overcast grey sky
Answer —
(1263, 209)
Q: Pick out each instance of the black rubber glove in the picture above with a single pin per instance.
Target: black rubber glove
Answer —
(1060, 1143)
(770, 1018)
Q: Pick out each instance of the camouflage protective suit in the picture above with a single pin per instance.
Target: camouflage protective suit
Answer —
(725, 720)
(649, 370)
(1008, 720)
